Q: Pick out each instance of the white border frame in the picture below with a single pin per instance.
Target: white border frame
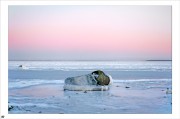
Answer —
(175, 61)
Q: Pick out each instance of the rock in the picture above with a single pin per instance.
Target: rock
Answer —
(102, 78)
(22, 67)
(168, 91)
(96, 80)
(81, 80)
(10, 107)
(14, 108)
(127, 87)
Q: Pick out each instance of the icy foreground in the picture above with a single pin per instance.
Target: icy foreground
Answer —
(123, 98)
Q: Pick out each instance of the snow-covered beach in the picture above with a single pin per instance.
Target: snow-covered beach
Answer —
(139, 87)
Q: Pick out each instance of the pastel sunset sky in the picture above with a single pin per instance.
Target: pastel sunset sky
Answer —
(73, 32)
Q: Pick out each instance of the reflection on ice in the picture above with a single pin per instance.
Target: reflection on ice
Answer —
(51, 98)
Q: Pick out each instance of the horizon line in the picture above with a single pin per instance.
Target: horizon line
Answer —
(97, 60)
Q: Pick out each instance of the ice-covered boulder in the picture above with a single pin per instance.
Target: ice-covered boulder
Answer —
(96, 80)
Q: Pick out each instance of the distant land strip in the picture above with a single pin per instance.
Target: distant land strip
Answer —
(158, 60)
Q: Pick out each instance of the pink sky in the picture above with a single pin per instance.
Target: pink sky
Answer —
(89, 32)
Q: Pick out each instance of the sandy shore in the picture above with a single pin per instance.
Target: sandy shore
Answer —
(122, 98)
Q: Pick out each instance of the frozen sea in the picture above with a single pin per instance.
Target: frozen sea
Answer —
(139, 87)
